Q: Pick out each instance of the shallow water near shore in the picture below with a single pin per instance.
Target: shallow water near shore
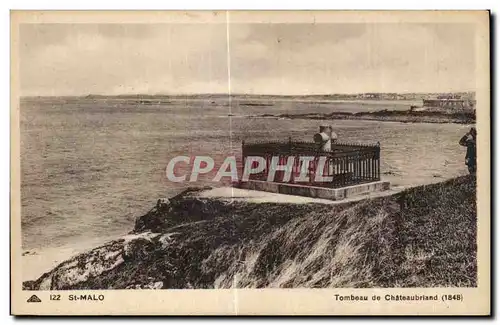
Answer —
(90, 167)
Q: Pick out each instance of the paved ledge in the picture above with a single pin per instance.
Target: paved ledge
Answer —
(230, 194)
(314, 191)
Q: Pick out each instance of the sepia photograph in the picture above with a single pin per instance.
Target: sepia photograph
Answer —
(234, 150)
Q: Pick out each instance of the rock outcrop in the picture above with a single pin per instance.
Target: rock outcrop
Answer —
(424, 236)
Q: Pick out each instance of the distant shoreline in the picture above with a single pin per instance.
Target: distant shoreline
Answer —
(383, 115)
(403, 96)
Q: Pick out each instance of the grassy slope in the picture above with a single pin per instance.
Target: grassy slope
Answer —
(422, 237)
(425, 236)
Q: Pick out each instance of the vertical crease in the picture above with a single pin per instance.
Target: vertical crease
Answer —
(235, 282)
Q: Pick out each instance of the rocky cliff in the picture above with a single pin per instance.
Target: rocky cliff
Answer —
(424, 236)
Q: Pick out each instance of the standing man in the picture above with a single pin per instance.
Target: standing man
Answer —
(469, 141)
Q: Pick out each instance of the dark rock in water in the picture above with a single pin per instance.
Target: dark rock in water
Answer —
(406, 116)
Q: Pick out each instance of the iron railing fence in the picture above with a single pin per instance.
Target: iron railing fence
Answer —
(346, 164)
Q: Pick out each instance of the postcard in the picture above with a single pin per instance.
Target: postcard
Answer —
(250, 163)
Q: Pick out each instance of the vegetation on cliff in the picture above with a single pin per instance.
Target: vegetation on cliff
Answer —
(422, 237)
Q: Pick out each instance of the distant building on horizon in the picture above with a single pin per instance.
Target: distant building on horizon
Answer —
(451, 104)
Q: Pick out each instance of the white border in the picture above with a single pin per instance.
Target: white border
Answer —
(186, 4)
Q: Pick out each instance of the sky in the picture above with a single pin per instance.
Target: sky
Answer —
(280, 59)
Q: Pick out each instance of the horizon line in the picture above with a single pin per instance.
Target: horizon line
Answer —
(249, 94)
